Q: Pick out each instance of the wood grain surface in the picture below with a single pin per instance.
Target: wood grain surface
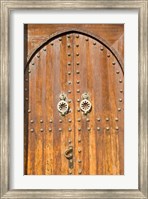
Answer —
(74, 63)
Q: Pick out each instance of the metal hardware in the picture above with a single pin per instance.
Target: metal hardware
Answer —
(62, 105)
(69, 155)
(69, 129)
(68, 45)
(121, 91)
(108, 55)
(26, 98)
(29, 71)
(113, 63)
(69, 100)
(107, 119)
(101, 48)
(80, 171)
(60, 121)
(60, 129)
(98, 119)
(88, 128)
(116, 119)
(78, 81)
(85, 104)
(94, 43)
(78, 72)
(78, 91)
(60, 39)
(77, 36)
(79, 129)
(77, 45)
(117, 72)
(87, 119)
(79, 161)
(32, 121)
(117, 128)
(78, 63)
(50, 121)
(107, 128)
(79, 140)
(69, 54)
(69, 91)
(69, 120)
(120, 81)
(41, 130)
(68, 36)
(69, 73)
(79, 150)
(51, 44)
(31, 130)
(120, 100)
(98, 128)
(78, 100)
(41, 121)
(69, 63)
(119, 109)
(50, 129)
(86, 39)
(29, 111)
(77, 54)
(79, 119)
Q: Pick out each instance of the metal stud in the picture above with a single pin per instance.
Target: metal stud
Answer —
(69, 73)
(117, 128)
(79, 150)
(120, 81)
(87, 119)
(77, 36)
(79, 129)
(50, 129)
(80, 171)
(99, 119)
(26, 89)
(60, 39)
(78, 63)
(120, 100)
(41, 130)
(77, 54)
(50, 121)
(79, 140)
(69, 110)
(78, 72)
(60, 129)
(88, 128)
(119, 109)
(77, 45)
(26, 80)
(69, 141)
(86, 39)
(31, 130)
(98, 128)
(69, 120)
(69, 100)
(29, 71)
(78, 91)
(107, 128)
(78, 110)
(121, 91)
(51, 44)
(29, 111)
(78, 81)
(41, 121)
(32, 121)
(116, 119)
(69, 63)
(79, 119)
(94, 43)
(68, 45)
(101, 48)
(38, 56)
(69, 129)
(79, 161)
(117, 72)
(69, 91)
(69, 82)
(113, 63)
(26, 98)
(107, 119)
(69, 54)
(68, 36)
(108, 55)
(44, 49)
(78, 100)
(60, 121)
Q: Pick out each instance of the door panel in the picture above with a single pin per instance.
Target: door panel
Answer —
(74, 63)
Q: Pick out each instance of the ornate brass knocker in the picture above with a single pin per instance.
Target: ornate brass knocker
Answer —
(85, 104)
(62, 105)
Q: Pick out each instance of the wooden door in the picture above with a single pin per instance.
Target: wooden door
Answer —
(74, 110)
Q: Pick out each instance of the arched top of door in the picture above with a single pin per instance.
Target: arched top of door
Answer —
(78, 31)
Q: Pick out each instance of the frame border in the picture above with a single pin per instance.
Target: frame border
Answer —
(142, 7)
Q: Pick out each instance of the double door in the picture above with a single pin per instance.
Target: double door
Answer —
(73, 95)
